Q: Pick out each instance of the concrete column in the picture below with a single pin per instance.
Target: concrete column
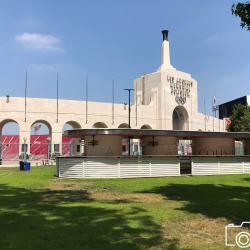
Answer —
(246, 146)
(56, 139)
(22, 135)
(213, 146)
(77, 143)
(107, 145)
(166, 145)
(24, 131)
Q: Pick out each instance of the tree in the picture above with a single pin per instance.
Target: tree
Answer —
(240, 119)
(242, 10)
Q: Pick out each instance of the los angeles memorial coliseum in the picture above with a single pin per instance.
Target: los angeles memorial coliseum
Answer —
(163, 100)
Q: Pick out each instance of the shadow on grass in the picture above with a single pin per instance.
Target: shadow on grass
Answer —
(214, 201)
(72, 220)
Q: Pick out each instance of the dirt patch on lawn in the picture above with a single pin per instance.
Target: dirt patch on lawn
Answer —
(108, 196)
(67, 185)
(117, 197)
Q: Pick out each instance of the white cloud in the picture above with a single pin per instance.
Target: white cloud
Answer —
(39, 42)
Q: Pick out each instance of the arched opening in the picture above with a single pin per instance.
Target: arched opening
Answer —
(45, 129)
(181, 122)
(40, 140)
(70, 146)
(138, 142)
(9, 138)
(123, 125)
(145, 126)
(180, 118)
(99, 125)
(71, 125)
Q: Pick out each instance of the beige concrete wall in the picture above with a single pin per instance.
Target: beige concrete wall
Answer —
(107, 146)
(166, 146)
(213, 146)
(154, 91)
(71, 112)
(246, 146)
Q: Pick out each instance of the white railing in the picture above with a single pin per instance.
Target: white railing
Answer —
(125, 167)
(117, 167)
(220, 165)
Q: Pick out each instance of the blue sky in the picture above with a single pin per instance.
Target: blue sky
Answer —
(120, 40)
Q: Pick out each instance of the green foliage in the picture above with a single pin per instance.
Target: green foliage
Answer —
(242, 10)
(54, 155)
(21, 156)
(240, 119)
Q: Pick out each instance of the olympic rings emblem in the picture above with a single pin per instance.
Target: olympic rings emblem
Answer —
(180, 100)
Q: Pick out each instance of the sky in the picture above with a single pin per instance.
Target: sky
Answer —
(120, 40)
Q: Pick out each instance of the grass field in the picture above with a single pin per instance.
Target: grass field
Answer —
(39, 211)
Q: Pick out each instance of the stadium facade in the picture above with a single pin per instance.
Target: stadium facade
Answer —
(165, 100)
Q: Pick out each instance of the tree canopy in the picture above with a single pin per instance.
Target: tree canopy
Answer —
(240, 119)
(242, 10)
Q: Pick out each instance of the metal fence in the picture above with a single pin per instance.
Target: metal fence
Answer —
(38, 151)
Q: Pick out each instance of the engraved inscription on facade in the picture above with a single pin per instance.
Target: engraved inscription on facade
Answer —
(180, 87)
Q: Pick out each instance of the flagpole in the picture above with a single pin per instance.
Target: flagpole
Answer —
(223, 118)
(219, 117)
(113, 102)
(214, 105)
(57, 101)
(205, 115)
(25, 118)
(213, 114)
(86, 99)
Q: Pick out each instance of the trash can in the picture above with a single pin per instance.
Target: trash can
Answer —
(21, 163)
(26, 166)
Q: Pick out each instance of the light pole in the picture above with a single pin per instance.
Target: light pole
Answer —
(70, 148)
(129, 116)
(24, 149)
(48, 147)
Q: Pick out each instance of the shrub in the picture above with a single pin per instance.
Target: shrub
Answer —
(21, 156)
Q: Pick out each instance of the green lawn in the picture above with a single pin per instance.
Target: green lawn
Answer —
(39, 211)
